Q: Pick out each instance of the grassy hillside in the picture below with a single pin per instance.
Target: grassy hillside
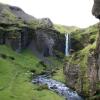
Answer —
(83, 37)
(65, 29)
(15, 76)
(16, 68)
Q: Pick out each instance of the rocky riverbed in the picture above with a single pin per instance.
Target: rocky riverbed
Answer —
(57, 87)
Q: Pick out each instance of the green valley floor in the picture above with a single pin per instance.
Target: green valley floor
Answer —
(15, 76)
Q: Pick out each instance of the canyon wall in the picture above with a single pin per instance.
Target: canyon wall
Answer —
(82, 68)
(19, 30)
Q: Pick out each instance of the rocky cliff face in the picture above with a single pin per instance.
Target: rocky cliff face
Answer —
(96, 8)
(96, 13)
(49, 41)
(82, 68)
(19, 30)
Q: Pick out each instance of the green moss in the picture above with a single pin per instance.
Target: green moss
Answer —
(84, 43)
(83, 37)
(34, 24)
(81, 58)
(59, 75)
(45, 95)
(84, 68)
(96, 97)
(8, 14)
(55, 63)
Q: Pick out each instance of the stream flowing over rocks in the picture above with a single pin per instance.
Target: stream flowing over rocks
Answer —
(57, 87)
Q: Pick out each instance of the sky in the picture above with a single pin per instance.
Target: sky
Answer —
(64, 12)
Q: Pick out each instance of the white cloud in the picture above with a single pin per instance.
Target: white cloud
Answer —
(67, 12)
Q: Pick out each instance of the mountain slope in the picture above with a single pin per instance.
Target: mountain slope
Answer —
(19, 30)
(65, 29)
(80, 68)
(15, 76)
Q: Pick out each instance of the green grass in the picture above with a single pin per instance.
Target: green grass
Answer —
(65, 29)
(46, 95)
(25, 59)
(84, 37)
(96, 97)
(57, 69)
(59, 75)
(15, 77)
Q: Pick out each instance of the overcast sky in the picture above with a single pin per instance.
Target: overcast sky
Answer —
(65, 12)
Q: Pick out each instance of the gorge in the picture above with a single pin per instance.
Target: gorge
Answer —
(31, 48)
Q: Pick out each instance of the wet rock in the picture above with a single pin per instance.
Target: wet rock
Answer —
(48, 41)
(58, 87)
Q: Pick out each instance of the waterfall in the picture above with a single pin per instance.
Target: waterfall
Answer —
(66, 45)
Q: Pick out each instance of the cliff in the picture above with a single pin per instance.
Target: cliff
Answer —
(25, 46)
(82, 67)
(78, 66)
(20, 30)
(96, 13)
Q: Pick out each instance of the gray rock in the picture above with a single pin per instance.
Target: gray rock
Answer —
(96, 8)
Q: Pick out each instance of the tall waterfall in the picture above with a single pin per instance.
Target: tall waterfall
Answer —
(66, 45)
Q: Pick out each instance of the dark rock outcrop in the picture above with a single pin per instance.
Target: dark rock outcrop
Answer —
(48, 42)
(96, 8)
(17, 38)
(15, 13)
(72, 74)
(19, 30)
(92, 73)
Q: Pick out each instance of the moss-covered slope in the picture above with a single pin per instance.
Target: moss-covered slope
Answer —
(80, 67)
(65, 29)
(83, 37)
(15, 76)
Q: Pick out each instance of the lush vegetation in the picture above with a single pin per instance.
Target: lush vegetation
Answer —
(84, 43)
(15, 76)
(65, 29)
(83, 37)
(17, 69)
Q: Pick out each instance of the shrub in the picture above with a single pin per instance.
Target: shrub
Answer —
(12, 58)
(3, 56)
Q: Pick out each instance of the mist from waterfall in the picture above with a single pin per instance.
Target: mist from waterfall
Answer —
(66, 45)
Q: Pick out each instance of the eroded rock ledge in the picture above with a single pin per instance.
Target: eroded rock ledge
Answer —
(20, 31)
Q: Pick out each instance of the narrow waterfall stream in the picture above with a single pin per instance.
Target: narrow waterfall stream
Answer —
(67, 45)
(57, 87)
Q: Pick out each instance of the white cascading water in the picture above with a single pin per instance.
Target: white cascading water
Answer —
(66, 45)
(57, 87)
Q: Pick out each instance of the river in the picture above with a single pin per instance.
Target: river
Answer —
(57, 87)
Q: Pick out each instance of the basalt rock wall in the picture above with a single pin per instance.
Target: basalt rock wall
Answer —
(19, 30)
